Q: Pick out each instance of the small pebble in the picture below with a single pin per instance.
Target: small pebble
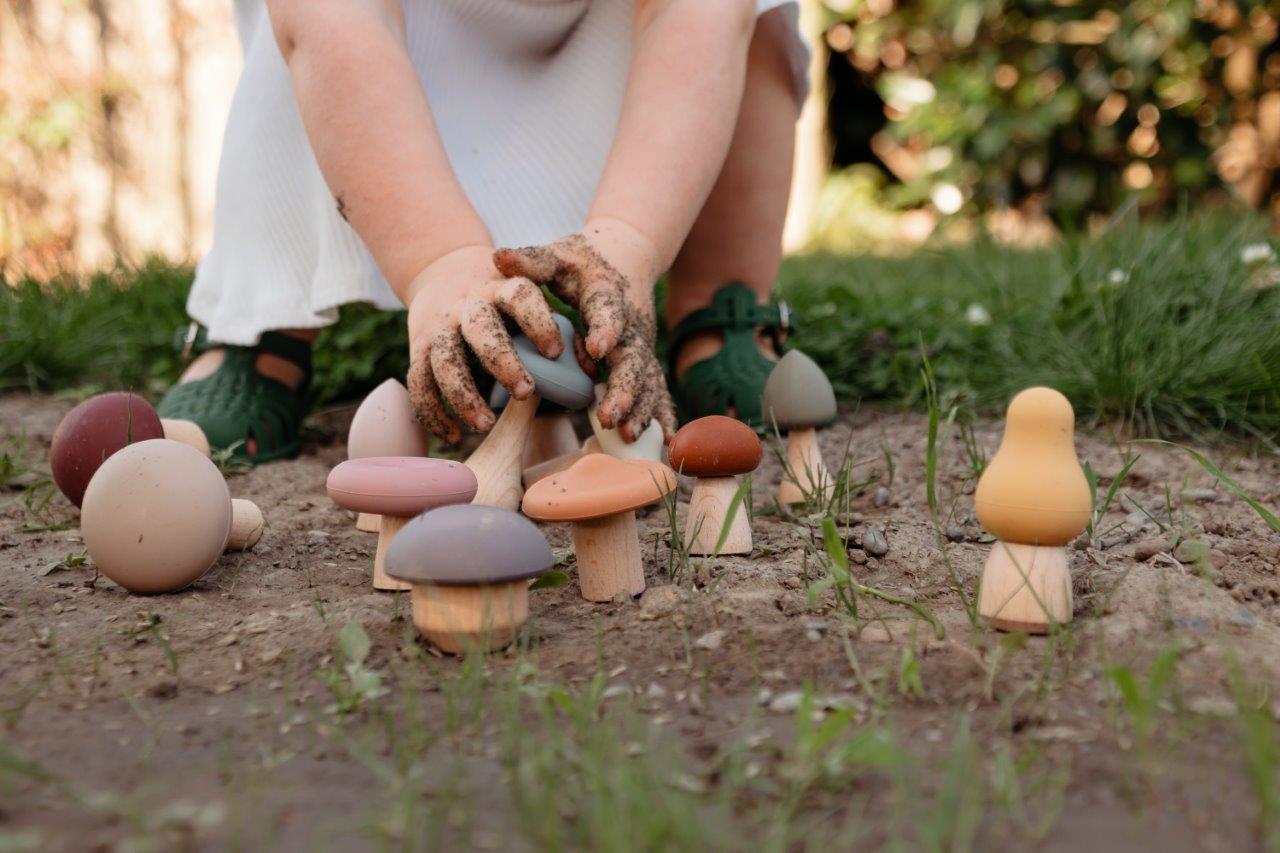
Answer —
(1137, 519)
(1242, 619)
(786, 703)
(956, 534)
(711, 640)
(881, 497)
(814, 631)
(1191, 551)
(658, 601)
(1199, 495)
(874, 542)
(1148, 548)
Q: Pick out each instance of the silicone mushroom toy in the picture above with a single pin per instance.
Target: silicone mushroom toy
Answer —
(496, 462)
(92, 432)
(551, 434)
(798, 399)
(1034, 498)
(715, 449)
(598, 496)
(187, 432)
(648, 445)
(397, 488)
(157, 514)
(384, 425)
(469, 567)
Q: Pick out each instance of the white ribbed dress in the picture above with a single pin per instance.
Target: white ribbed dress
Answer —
(526, 95)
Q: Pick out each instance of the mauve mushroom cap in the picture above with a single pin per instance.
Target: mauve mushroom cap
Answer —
(798, 394)
(400, 486)
(598, 486)
(386, 425)
(156, 516)
(94, 430)
(468, 545)
(562, 380)
(715, 446)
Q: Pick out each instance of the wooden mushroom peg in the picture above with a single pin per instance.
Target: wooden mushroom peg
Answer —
(648, 445)
(469, 568)
(598, 496)
(94, 430)
(551, 434)
(385, 425)
(397, 488)
(714, 450)
(798, 399)
(497, 461)
(157, 515)
(1034, 498)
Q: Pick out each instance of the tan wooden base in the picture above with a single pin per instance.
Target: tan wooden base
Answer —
(391, 525)
(1025, 588)
(187, 432)
(550, 436)
(608, 552)
(368, 522)
(457, 618)
(534, 473)
(708, 509)
(246, 525)
(496, 462)
(804, 459)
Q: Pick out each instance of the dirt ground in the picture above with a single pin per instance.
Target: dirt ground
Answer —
(202, 719)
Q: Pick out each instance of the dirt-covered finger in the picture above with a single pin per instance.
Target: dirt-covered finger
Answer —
(627, 373)
(604, 310)
(589, 365)
(483, 330)
(540, 264)
(426, 399)
(453, 376)
(522, 301)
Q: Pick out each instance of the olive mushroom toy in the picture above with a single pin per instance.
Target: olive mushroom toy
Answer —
(798, 399)
(397, 488)
(157, 515)
(648, 445)
(497, 461)
(598, 495)
(551, 434)
(384, 425)
(714, 450)
(91, 432)
(1034, 498)
(469, 567)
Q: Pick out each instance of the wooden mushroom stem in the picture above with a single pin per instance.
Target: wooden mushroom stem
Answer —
(246, 525)
(367, 522)
(391, 525)
(454, 618)
(496, 462)
(608, 552)
(546, 468)
(708, 509)
(1025, 588)
(807, 474)
(550, 436)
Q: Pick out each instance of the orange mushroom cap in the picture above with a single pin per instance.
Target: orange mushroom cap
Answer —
(715, 446)
(598, 486)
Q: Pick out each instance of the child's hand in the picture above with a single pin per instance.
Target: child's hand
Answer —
(607, 272)
(461, 298)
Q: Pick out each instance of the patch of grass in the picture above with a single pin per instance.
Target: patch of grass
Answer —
(1165, 326)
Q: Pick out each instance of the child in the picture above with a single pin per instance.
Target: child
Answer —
(615, 139)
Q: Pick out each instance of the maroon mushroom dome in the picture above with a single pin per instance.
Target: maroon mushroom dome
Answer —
(715, 446)
(94, 430)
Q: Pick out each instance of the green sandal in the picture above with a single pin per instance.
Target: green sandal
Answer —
(735, 376)
(236, 402)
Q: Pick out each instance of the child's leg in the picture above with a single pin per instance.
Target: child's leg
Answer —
(738, 235)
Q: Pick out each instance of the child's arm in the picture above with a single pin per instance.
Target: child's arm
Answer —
(372, 132)
(677, 121)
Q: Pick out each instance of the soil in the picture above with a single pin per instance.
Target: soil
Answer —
(129, 718)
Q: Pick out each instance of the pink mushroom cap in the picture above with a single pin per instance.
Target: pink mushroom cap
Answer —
(400, 486)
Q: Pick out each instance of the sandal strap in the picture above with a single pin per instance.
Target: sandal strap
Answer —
(734, 307)
(194, 338)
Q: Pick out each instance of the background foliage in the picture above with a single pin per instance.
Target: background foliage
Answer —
(1065, 105)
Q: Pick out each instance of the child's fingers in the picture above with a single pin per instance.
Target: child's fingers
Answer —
(626, 380)
(484, 332)
(522, 301)
(666, 414)
(453, 376)
(588, 364)
(426, 399)
(539, 263)
(604, 310)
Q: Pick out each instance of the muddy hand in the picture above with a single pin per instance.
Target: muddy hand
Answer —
(459, 303)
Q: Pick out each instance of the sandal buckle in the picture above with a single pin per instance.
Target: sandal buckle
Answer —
(189, 339)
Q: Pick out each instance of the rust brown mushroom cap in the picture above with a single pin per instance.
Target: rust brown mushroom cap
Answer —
(715, 446)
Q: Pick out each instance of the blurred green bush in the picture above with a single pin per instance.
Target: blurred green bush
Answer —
(1069, 106)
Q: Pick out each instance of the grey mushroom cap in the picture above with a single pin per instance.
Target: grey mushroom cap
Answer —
(500, 396)
(560, 380)
(798, 394)
(468, 545)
